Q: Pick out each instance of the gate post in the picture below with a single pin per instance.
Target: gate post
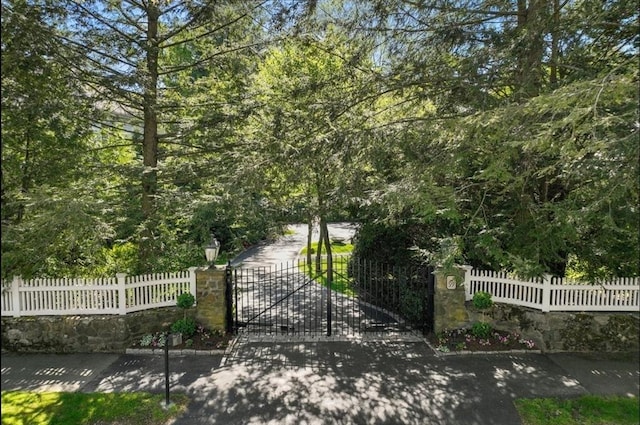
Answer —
(210, 295)
(449, 299)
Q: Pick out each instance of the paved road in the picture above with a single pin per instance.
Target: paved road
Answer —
(286, 248)
(281, 382)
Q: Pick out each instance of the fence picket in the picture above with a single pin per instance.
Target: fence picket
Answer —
(553, 293)
(122, 294)
(119, 295)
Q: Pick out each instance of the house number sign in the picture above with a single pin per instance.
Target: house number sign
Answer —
(451, 282)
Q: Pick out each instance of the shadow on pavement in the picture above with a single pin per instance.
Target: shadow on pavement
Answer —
(334, 382)
(369, 383)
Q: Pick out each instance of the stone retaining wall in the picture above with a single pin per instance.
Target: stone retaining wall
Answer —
(114, 334)
(566, 331)
(83, 334)
(552, 331)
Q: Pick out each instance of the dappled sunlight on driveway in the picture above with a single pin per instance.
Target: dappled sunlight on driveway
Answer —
(518, 371)
(338, 382)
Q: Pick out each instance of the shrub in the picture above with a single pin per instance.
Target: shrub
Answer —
(186, 326)
(482, 300)
(481, 330)
(411, 304)
(186, 300)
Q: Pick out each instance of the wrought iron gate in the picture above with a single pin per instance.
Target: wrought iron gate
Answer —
(362, 297)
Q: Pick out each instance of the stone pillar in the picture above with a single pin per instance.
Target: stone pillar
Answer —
(210, 300)
(449, 308)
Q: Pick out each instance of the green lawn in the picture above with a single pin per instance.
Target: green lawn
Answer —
(336, 248)
(586, 410)
(62, 408)
(341, 283)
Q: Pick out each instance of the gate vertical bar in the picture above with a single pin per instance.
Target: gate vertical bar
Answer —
(328, 307)
(288, 291)
(329, 278)
(235, 284)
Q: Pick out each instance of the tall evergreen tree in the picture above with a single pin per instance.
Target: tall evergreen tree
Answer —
(44, 144)
(132, 48)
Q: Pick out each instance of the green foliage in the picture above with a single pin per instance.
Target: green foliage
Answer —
(119, 258)
(388, 243)
(500, 154)
(186, 300)
(237, 220)
(155, 340)
(535, 213)
(304, 147)
(185, 326)
(481, 330)
(63, 236)
(49, 224)
(482, 300)
(412, 305)
(465, 339)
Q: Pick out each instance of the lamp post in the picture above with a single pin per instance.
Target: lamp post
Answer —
(211, 252)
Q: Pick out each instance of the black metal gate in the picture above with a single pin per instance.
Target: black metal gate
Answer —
(362, 297)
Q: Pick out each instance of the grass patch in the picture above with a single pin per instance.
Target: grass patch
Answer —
(586, 410)
(65, 408)
(341, 282)
(336, 248)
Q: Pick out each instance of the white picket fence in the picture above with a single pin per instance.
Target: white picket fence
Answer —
(117, 295)
(551, 293)
(124, 294)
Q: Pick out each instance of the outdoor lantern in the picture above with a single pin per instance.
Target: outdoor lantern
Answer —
(211, 251)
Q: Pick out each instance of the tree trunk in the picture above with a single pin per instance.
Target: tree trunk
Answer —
(319, 251)
(531, 26)
(309, 240)
(553, 73)
(324, 231)
(150, 138)
(25, 179)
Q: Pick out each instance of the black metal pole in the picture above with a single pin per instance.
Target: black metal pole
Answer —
(166, 368)
(329, 278)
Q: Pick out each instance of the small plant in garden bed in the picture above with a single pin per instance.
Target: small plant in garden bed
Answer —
(201, 339)
(466, 340)
(154, 340)
(187, 327)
